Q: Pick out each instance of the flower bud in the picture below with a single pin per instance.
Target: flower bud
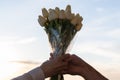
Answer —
(52, 15)
(79, 18)
(57, 10)
(45, 12)
(72, 16)
(78, 27)
(50, 10)
(62, 14)
(68, 9)
(74, 21)
(69, 16)
(41, 20)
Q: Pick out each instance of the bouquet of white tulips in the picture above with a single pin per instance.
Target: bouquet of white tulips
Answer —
(61, 27)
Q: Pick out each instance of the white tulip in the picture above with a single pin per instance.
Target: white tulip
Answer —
(68, 9)
(45, 12)
(68, 12)
(79, 18)
(62, 14)
(52, 15)
(78, 27)
(72, 16)
(69, 16)
(50, 10)
(57, 10)
(41, 20)
(74, 21)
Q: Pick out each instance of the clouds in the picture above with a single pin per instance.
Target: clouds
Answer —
(26, 40)
(26, 62)
(10, 47)
(101, 48)
(105, 27)
(7, 40)
(12, 69)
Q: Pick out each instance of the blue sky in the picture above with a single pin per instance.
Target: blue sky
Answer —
(98, 42)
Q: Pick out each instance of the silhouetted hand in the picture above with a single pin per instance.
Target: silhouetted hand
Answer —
(77, 66)
(55, 65)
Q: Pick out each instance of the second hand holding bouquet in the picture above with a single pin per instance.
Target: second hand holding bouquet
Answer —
(61, 27)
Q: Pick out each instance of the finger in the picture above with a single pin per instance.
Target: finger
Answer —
(64, 57)
(51, 56)
(68, 59)
(62, 66)
(59, 70)
(62, 71)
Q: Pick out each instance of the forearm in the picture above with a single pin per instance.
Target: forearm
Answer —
(93, 74)
(25, 76)
(35, 74)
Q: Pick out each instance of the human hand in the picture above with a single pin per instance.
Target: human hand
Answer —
(55, 65)
(77, 66)
(75, 63)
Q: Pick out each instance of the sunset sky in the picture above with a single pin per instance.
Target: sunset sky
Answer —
(24, 43)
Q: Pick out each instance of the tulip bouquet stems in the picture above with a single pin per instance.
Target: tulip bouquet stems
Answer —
(60, 34)
(61, 27)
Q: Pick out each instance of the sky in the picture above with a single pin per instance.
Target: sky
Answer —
(24, 43)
